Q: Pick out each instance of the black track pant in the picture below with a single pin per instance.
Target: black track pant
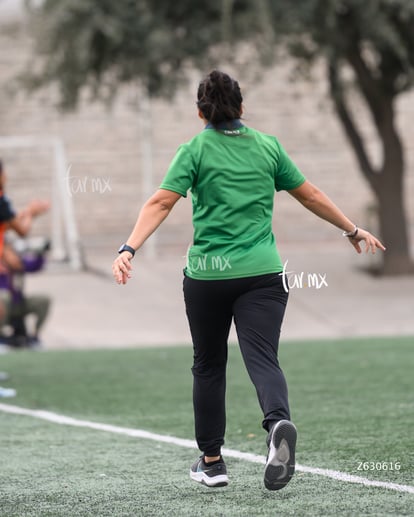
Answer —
(257, 305)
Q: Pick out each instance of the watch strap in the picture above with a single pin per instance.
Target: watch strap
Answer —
(352, 234)
(125, 247)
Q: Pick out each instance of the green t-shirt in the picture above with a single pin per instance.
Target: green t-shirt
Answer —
(232, 175)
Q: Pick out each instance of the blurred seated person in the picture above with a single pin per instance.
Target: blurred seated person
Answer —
(20, 223)
(17, 305)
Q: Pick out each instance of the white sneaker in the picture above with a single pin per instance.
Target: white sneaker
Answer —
(7, 392)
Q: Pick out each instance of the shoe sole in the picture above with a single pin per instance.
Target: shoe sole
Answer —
(216, 481)
(280, 464)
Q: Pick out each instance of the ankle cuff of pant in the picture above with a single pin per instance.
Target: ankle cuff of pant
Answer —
(212, 453)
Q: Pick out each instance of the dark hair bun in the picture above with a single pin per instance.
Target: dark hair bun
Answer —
(219, 97)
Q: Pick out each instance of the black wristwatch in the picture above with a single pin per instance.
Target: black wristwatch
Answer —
(125, 247)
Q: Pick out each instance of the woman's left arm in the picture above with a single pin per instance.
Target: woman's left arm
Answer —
(319, 203)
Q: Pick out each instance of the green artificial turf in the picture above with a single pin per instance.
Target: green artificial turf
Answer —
(350, 399)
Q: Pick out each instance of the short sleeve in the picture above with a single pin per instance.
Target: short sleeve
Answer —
(6, 210)
(181, 172)
(287, 176)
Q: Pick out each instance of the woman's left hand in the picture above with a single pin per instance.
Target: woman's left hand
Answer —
(121, 267)
(371, 242)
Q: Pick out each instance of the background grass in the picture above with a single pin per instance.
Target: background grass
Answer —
(351, 401)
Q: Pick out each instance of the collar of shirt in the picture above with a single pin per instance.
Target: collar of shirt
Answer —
(226, 124)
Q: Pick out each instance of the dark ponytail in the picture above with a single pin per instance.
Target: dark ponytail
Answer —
(219, 98)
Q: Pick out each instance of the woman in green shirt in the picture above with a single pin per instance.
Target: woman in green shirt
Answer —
(233, 268)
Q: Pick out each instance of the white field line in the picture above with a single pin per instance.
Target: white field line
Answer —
(246, 456)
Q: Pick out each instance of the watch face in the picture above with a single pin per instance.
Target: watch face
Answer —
(121, 249)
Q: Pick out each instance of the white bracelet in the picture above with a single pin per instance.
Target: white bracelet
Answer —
(352, 234)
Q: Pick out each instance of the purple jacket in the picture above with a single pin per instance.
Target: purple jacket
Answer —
(13, 281)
